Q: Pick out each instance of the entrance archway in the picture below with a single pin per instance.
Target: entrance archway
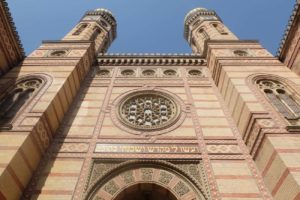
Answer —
(145, 191)
(146, 180)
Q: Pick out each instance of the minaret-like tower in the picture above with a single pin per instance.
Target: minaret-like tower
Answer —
(47, 82)
(96, 25)
(260, 95)
(202, 25)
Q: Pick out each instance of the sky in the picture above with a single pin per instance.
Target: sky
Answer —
(150, 26)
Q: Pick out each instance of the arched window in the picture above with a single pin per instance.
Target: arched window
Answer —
(14, 99)
(220, 28)
(80, 28)
(282, 98)
(202, 34)
(96, 32)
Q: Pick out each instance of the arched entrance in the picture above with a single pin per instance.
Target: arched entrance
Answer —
(145, 191)
(146, 180)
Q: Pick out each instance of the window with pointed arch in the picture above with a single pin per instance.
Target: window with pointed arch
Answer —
(16, 97)
(285, 100)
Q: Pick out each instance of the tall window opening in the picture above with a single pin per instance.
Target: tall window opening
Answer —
(96, 33)
(202, 34)
(13, 100)
(282, 98)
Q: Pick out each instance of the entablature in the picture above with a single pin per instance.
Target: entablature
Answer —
(121, 59)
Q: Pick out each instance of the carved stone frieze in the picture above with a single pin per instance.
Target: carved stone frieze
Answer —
(99, 169)
(43, 135)
(192, 169)
(128, 177)
(70, 147)
(147, 174)
(111, 187)
(181, 189)
(223, 149)
(165, 177)
(98, 198)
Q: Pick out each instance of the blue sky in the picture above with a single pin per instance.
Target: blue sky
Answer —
(150, 26)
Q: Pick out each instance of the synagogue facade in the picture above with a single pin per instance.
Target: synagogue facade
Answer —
(220, 123)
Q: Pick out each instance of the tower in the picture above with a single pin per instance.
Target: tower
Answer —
(260, 95)
(36, 95)
(97, 25)
(202, 25)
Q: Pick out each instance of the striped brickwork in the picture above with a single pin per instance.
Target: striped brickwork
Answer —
(262, 128)
(34, 128)
(207, 126)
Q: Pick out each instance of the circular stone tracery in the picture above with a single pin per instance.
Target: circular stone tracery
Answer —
(148, 110)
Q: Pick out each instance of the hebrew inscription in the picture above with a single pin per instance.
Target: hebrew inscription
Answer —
(148, 148)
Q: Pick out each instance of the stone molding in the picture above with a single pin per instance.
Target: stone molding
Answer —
(151, 59)
(290, 25)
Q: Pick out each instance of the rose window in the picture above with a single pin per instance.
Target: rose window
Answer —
(103, 72)
(148, 110)
(58, 53)
(169, 72)
(240, 53)
(148, 72)
(127, 72)
(195, 72)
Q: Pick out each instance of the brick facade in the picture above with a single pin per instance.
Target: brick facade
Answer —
(227, 141)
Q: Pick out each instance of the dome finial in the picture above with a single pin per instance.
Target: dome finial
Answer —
(193, 13)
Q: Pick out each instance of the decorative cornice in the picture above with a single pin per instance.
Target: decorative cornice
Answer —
(13, 27)
(150, 59)
(291, 23)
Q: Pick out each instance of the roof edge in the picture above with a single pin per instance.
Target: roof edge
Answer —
(290, 24)
(13, 27)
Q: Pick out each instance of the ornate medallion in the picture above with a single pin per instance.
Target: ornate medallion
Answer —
(147, 111)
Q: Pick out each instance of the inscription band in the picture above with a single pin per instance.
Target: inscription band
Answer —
(148, 148)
